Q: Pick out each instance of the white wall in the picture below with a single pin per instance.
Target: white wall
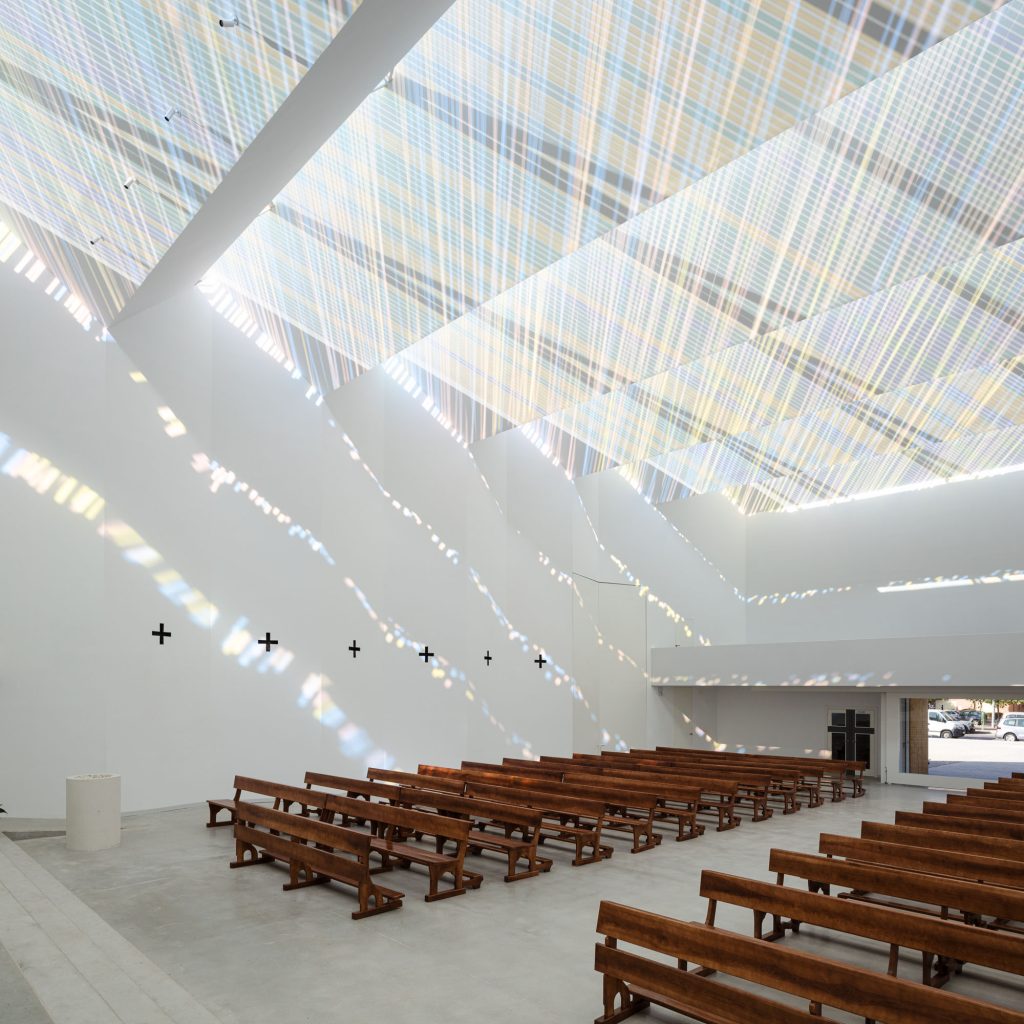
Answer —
(814, 615)
(84, 686)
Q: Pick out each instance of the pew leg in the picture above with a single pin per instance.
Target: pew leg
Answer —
(894, 960)
(246, 854)
(301, 876)
(437, 871)
(628, 1004)
(383, 900)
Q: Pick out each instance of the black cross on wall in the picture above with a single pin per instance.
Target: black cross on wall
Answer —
(851, 741)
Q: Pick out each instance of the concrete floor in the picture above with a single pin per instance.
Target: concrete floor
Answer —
(243, 950)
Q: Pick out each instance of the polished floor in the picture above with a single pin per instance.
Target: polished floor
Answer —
(159, 930)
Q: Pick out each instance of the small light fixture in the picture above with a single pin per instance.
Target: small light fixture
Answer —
(129, 181)
(228, 22)
(96, 240)
(171, 114)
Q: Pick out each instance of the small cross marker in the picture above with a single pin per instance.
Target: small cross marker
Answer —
(160, 633)
(266, 641)
(487, 658)
(354, 648)
(540, 661)
(426, 654)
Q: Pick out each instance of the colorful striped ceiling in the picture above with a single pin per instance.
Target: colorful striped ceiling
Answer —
(769, 249)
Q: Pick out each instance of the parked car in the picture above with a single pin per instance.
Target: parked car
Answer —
(1011, 727)
(975, 716)
(969, 724)
(939, 724)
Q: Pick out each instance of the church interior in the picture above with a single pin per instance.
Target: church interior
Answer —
(561, 461)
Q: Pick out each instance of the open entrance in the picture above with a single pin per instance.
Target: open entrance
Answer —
(970, 738)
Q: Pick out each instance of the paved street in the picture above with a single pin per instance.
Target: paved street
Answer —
(979, 755)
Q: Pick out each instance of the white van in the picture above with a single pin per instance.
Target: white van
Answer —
(940, 724)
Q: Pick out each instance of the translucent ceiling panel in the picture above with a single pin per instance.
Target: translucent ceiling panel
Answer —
(95, 94)
(513, 134)
(808, 222)
(964, 316)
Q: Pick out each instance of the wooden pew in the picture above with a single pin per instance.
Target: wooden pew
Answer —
(283, 795)
(974, 900)
(483, 814)
(674, 801)
(764, 782)
(626, 809)
(755, 788)
(717, 799)
(1007, 808)
(365, 788)
(388, 841)
(958, 863)
(944, 945)
(263, 835)
(567, 818)
(488, 814)
(531, 769)
(1003, 810)
(1013, 795)
(960, 823)
(632, 982)
(854, 770)
(926, 838)
(443, 785)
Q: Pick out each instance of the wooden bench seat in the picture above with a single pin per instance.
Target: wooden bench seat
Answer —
(757, 789)
(353, 787)
(983, 845)
(283, 796)
(945, 946)
(957, 863)
(957, 823)
(717, 795)
(518, 828)
(416, 781)
(626, 809)
(674, 801)
(338, 854)
(632, 981)
(967, 807)
(760, 784)
(1006, 793)
(975, 901)
(851, 771)
(388, 840)
(567, 819)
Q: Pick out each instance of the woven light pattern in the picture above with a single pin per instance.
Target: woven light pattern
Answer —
(849, 289)
(86, 85)
(514, 134)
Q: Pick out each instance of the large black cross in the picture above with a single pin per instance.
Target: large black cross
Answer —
(426, 654)
(161, 634)
(267, 642)
(354, 648)
(851, 732)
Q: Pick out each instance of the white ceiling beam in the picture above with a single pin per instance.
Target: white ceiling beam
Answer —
(369, 45)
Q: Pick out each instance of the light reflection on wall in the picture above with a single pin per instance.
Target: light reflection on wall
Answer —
(221, 476)
(238, 643)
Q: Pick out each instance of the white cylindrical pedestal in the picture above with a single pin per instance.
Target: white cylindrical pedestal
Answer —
(93, 812)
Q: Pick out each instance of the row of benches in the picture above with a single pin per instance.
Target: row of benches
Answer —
(511, 809)
(948, 885)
